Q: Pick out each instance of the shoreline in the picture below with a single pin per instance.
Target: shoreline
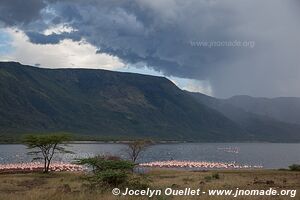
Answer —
(158, 142)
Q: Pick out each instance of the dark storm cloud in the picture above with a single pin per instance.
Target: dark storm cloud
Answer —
(53, 38)
(158, 33)
(16, 12)
(152, 32)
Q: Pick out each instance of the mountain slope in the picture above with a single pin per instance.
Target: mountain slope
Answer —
(261, 127)
(107, 104)
(286, 109)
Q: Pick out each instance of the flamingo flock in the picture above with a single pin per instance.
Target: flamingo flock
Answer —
(38, 166)
(196, 164)
(60, 166)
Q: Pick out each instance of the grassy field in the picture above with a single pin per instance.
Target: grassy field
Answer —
(67, 186)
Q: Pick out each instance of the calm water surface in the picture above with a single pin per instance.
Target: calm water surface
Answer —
(269, 155)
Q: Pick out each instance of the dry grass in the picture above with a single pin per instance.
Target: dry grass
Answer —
(65, 186)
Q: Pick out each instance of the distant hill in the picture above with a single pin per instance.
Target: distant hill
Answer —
(259, 116)
(105, 104)
(286, 109)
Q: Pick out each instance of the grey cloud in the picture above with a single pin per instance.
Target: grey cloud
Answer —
(53, 38)
(158, 33)
(16, 12)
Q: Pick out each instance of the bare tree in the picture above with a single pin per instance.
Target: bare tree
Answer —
(45, 146)
(135, 148)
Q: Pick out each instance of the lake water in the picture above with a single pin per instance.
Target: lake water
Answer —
(269, 155)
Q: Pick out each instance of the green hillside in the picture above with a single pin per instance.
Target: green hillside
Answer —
(261, 127)
(105, 104)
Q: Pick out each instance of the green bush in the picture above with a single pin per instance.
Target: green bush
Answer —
(112, 177)
(112, 171)
(294, 167)
(215, 176)
(102, 163)
(212, 177)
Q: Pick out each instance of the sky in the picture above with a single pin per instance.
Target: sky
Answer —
(220, 48)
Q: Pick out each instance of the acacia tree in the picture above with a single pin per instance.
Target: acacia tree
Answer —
(135, 148)
(45, 146)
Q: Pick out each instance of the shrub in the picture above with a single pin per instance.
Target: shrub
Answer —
(212, 177)
(215, 176)
(102, 163)
(294, 167)
(207, 178)
(112, 177)
(111, 171)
